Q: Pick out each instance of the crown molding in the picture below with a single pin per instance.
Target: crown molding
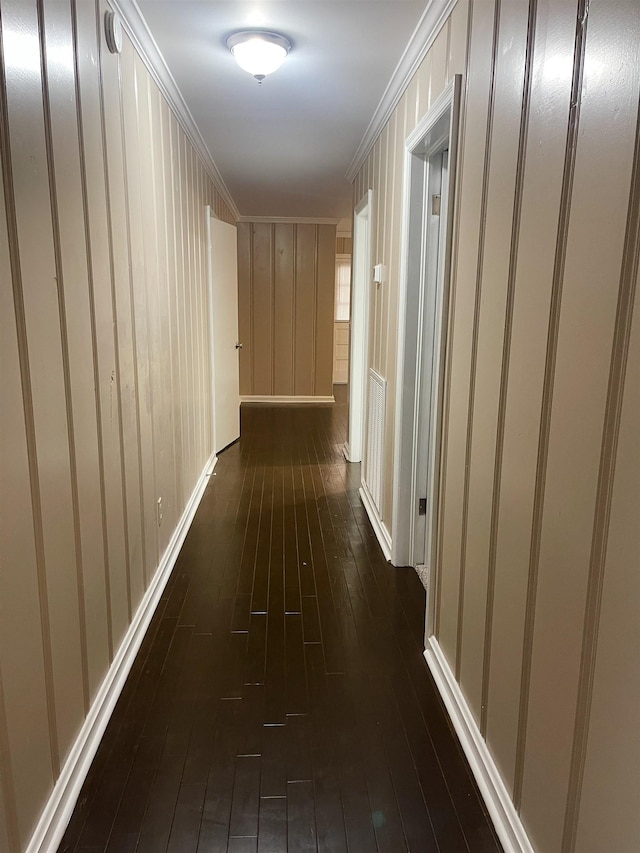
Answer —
(288, 220)
(138, 31)
(424, 35)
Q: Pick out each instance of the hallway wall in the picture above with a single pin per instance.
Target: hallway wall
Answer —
(286, 281)
(538, 583)
(105, 371)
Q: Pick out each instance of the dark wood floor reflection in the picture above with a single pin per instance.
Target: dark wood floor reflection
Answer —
(280, 700)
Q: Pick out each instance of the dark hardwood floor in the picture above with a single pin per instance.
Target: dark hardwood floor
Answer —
(280, 700)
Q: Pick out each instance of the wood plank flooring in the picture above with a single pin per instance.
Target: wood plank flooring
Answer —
(280, 700)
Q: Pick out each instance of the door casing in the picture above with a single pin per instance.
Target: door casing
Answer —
(423, 309)
(359, 345)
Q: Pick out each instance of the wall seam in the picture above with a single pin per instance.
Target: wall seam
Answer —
(64, 344)
(446, 392)
(165, 191)
(114, 306)
(506, 355)
(92, 316)
(29, 417)
(274, 291)
(294, 308)
(604, 497)
(173, 156)
(475, 334)
(134, 345)
(314, 324)
(251, 228)
(155, 282)
(547, 395)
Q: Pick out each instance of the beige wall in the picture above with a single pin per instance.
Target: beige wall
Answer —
(286, 276)
(538, 551)
(105, 372)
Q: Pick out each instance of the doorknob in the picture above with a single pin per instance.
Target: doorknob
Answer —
(238, 345)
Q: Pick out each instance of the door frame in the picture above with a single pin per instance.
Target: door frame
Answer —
(359, 344)
(436, 132)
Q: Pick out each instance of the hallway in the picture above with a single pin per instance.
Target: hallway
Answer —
(280, 700)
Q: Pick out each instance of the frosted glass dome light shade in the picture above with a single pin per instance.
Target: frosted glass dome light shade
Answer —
(259, 53)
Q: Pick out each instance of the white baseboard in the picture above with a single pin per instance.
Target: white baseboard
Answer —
(382, 534)
(505, 819)
(57, 812)
(283, 400)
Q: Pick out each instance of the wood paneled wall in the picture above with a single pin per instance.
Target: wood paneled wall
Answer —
(105, 371)
(538, 581)
(286, 280)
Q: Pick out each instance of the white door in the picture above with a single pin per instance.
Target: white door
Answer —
(223, 278)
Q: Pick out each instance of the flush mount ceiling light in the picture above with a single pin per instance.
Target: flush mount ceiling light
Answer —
(259, 52)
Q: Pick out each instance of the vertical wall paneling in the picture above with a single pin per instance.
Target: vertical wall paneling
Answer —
(72, 273)
(282, 310)
(170, 311)
(472, 191)
(147, 312)
(478, 301)
(51, 466)
(305, 307)
(103, 295)
(178, 295)
(575, 426)
(535, 638)
(116, 171)
(97, 235)
(133, 88)
(541, 183)
(25, 749)
(122, 571)
(608, 762)
(245, 306)
(262, 340)
(459, 47)
(286, 295)
(491, 321)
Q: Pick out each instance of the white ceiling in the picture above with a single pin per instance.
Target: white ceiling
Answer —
(283, 147)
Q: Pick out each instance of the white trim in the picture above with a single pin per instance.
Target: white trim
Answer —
(410, 325)
(379, 527)
(283, 400)
(291, 220)
(506, 820)
(138, 31)
(424, 35)
(59, 808)
(359, 343)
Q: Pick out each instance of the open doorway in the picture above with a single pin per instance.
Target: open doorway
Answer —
(359, 326)
(429, 180)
